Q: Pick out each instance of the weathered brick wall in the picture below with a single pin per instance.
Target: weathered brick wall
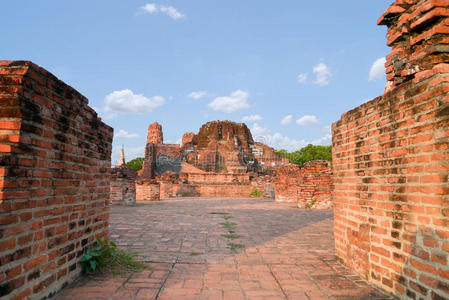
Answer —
(54, 180)
(310, 186)
(315, 187)
(147, 190)
(223, 178)
(269, 190)
(169, 190)
(123, 186)
(160, 158)
(391, 162)
(286, 183)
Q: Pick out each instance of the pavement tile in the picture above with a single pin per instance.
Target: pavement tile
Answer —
(287, 253)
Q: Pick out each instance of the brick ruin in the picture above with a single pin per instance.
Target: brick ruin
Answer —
(222, 160)
(391, 162)
(287, 183)
(54, 185)
(123, 183)
(309, 187)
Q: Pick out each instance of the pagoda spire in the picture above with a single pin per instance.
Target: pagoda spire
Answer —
(121, 160)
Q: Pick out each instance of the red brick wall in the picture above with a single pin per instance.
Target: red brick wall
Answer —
(287, 181)
(310, 186)
(315, 187)
(148, 162)
(169, 190)
(223, 178)
(54, 185)
(147, 191)
(123, 186)
(152, 151)
(391, 162)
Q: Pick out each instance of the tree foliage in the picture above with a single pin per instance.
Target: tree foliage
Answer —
(135, 164)
(306, 154)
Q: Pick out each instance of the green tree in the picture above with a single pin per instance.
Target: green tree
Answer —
(135, 164)
(306, 154)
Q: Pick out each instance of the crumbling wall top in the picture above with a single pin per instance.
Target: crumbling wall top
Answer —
(155, 135)
(417, 33)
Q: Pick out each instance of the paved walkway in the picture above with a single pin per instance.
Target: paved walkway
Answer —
(288, 253)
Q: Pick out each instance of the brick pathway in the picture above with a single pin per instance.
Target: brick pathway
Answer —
(288, 254)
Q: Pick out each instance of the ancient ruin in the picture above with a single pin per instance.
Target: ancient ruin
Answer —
(390, 162)
(55, 158)
(222, 160)
(123, 183)
(309, 187)
(388, 185)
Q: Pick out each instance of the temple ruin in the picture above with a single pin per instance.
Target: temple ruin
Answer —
(388, 182)
(123, 183)
(222, 160)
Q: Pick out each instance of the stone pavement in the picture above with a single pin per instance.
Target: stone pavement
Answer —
(288, 253)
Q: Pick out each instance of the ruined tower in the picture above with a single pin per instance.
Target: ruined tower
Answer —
(155, 135)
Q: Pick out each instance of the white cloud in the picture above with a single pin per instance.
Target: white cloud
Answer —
(150, 8)
(198, 95)
(307, 120)
(153, 8)
(287, 120)
(252, 118)
(172, 12)
(279, 141)
(236, 101)
(126, 101)
(377, 69)
(123, 134)
(322, 73)
(302, 78)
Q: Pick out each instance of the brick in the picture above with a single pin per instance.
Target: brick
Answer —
(404, 184)
(61, 141)
(31, 264)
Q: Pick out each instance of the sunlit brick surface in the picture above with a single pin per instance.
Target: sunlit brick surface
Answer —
(289, 254)
(391, 162)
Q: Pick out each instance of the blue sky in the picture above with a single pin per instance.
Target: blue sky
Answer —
(288, 68)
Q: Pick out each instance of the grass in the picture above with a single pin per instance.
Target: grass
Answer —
(122, 262)
(228, 225)
(256, 193)
(234, 246)
(104, 256)
(310, 204)
(231, 236)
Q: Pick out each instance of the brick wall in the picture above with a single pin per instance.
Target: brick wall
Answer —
(147, 190)
(54, 180)
(286, 182)
(315, 186)
(123, 186)
(391, 162)
(214, 178)
(169, 190)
